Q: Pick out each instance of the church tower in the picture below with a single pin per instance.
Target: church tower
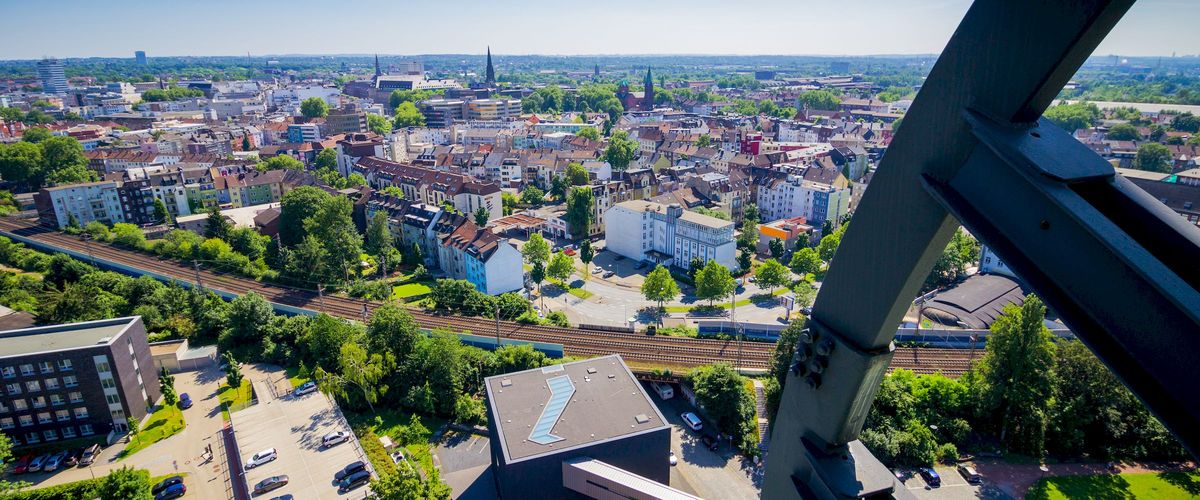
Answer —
(377, 72)
(491, 71)
(648, 96)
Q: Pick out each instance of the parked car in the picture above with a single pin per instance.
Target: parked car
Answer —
(261, 458)
(185, 401)
(334, 438)
(173, 491)
(286, 496)
(569, 251)
(22, 465)
(398, 456)
(89, 455)
(349, 470)
(640, 265)
(270, 484)
(931, 477)
(39, 462)
(692, 421)
(674, 461)
(970, 474)
(55, 461)
(166, 483)
(354, 481)
(709, 442)
(305, 388)
(73, 457)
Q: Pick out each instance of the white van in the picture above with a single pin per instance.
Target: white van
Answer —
(664, 390)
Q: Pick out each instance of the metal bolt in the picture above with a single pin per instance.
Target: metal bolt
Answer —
(817, 365)
(814, 381)
(825, 347)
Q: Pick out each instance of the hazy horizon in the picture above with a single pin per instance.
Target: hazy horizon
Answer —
(79, 29)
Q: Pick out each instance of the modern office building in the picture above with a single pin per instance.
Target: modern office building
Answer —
(140, 57)
(668, 234)
(52, 76)
(577, 429)
(74, 380)
(349, 119)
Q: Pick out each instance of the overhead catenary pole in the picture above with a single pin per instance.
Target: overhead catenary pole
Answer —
(196, 267)
(497, 325)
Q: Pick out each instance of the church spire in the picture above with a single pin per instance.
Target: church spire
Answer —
(377, 72)
(648, 95)
(491, 71)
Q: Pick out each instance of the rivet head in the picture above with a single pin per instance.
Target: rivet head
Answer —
(1045, 224)
(813, 381)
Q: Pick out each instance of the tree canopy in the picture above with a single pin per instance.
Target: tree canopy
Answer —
(314, 107)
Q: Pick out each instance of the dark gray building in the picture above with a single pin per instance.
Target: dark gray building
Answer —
(564, 430)
(74, 380)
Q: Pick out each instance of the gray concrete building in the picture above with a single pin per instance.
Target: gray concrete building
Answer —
(74, 380)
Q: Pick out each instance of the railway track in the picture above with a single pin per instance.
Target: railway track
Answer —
(677, 351)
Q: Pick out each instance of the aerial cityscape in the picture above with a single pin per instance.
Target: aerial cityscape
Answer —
(320, 267)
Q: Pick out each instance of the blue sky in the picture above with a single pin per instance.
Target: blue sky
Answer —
(74, 28)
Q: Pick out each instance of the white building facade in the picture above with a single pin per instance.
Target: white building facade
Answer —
(668, 235)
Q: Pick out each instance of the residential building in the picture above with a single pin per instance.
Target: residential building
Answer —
(75, 380)
(791, 195)
(53, 77)
(585, 429)
(86, 202)
(668, 234)
(303, 132)
(349, 119)
(434, 187)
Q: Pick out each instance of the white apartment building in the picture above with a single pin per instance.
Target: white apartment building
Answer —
(793, 196)
(668, 234)
(87, 202)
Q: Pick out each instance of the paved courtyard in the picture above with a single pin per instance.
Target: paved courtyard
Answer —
(294, 426)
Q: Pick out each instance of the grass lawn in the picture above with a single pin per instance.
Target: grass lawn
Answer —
(403, 292)
(234, 400)
(294, 378)
(578, 292)
(391, 422)
(1160, 486)
(725, 305)
(163, 423)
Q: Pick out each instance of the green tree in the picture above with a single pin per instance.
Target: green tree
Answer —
(325, 160)
(722, 393)
(536, 250)
(246, 146)
(481, 216)
(216, 225)
(161, 214)
(805, 261)
(819, 99)
(280, 162)
(589, 133)
(378, 124)
(1018, 376)
(36, 134)
(577, 175)
(714, 281)
(660, 286)
(379, 238)
(314, 107)
(65, 162)
(1072, 117)
(531, 195)
(586, 254)
(960, 253)
(1186, 122)
(829, 245)
(1123, 132)
(407, 115)
(751, 212)
(558, 187)
(166, 385)
(125, 483)
(621, 150)
(705, 141)
(537, 275)
(399, 97)
(581, 205)
(296, 206)
(561, 267)
(22, 162)
(357, 370)
(748, 238)
(1153, 157)
(332, 225)
(233, 370)
(772, 274)
(776, 247)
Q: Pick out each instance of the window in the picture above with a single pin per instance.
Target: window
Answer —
(112, 399)
(39, 402)
(9, 372)
(50, 434)
(86, 430)
(81, 413)
(65, 365)
(118, 414)
(70, 381)
(108, 382)
(102, 366)
(75, 396)
(33, 385)
(44, 417)
(19, 405)
(68, 432)
(51, 384)
(7, 423)
(32, 437)
(26, 420)
(26, 370)
(62, 415)
(13, 389)
(46, 367)
(56, 399)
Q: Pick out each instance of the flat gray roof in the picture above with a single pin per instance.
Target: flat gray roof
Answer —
(62, 337)
(606, 402)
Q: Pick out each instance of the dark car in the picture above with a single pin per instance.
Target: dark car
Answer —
(73, 457)
(350, 470)
(709, 441)
(354, 481)
(931, 476)
(270, 483)
(166, 483)
(185, 401)
(173, 491)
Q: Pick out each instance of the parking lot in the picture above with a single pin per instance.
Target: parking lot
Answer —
(953, 486)
(294, 426)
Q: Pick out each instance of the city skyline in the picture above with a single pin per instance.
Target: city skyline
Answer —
(879, 28)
